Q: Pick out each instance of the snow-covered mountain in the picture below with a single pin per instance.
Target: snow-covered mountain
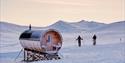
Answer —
(9, 27)
(64, 27)
(116, 26)
(88, 25)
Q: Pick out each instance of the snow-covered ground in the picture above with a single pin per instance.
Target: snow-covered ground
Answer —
(110, 46)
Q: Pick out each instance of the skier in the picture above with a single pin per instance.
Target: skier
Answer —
(94, 39)
(79, 40)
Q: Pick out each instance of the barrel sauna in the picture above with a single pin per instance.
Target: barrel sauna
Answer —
(47, 41)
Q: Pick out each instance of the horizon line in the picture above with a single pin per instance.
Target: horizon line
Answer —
(58, 21)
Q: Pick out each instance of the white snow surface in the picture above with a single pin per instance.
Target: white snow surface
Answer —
(110, 46)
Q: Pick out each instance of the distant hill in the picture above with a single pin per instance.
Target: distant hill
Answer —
(63, 26)
(88, 25)
(9, 27)
(116, 26)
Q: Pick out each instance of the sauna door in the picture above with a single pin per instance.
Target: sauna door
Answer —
(49, 39)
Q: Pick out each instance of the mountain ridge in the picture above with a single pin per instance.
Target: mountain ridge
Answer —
(64, 26)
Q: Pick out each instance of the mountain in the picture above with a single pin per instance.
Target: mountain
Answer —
(64, 27)
(9, 27)
(88, 25)
(116, 26)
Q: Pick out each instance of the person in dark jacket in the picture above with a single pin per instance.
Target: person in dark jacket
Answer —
(94, 39)
(30, 27)
(79, 40)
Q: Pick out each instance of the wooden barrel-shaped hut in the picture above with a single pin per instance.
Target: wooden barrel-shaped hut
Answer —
(47, 41)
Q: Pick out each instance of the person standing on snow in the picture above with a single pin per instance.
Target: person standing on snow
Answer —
(30, 27)
(79, 40)
(94, 40)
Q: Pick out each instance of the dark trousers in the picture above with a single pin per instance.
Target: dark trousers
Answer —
(94, 42)
(79, 43)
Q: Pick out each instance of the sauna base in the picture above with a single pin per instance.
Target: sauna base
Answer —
(31, 55)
